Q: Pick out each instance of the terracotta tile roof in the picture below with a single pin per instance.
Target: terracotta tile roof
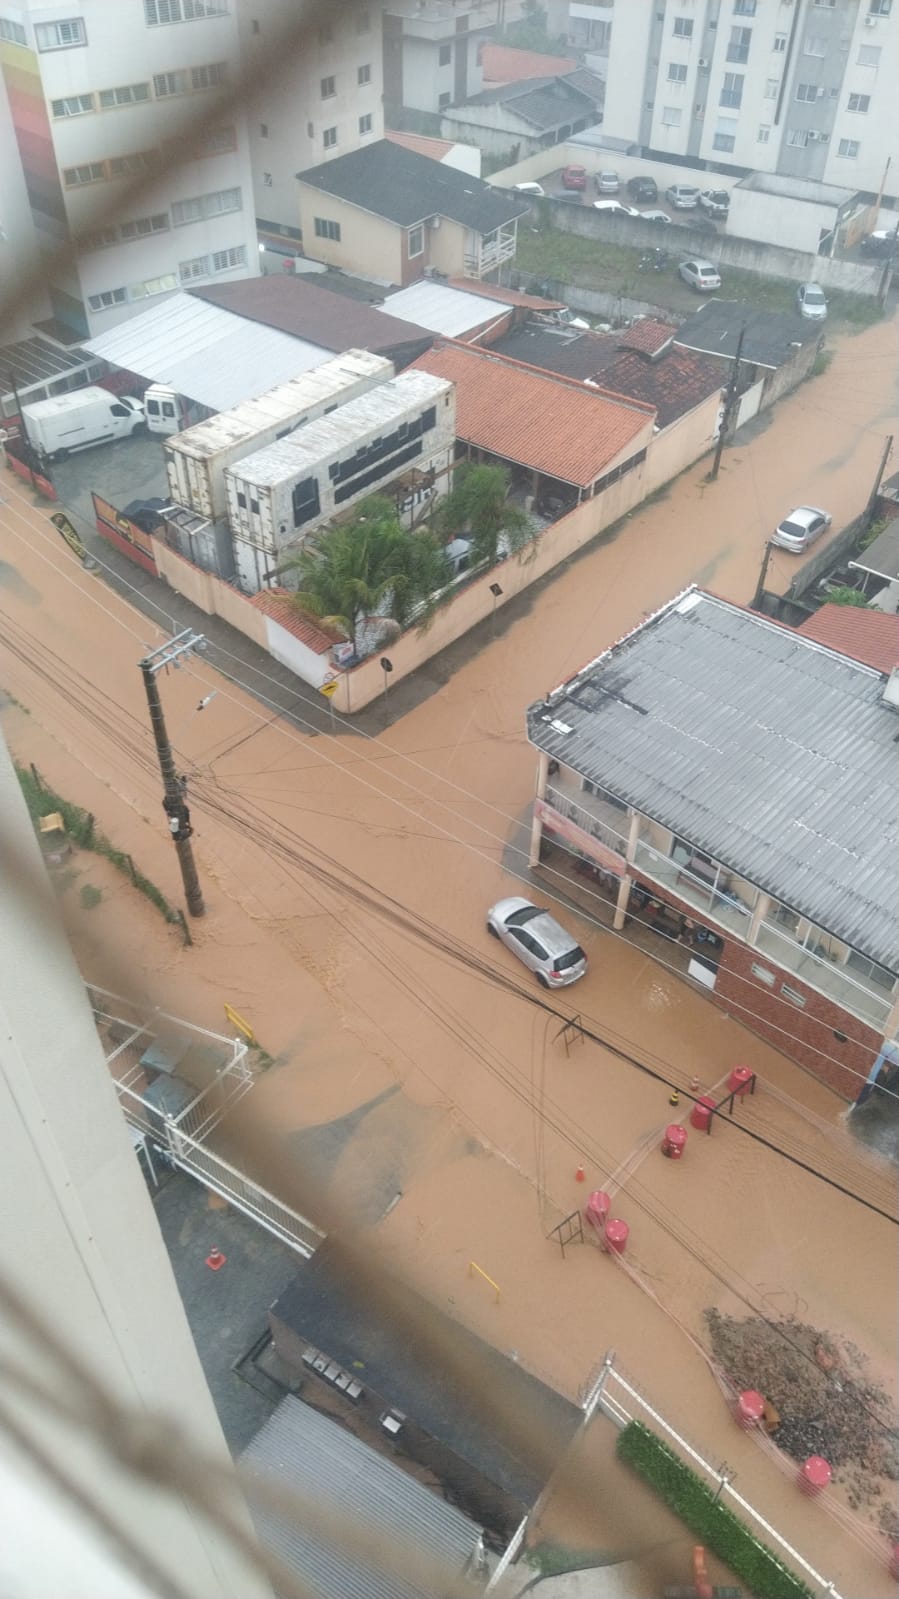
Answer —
(435, 148)
(504, 64)
(871, 637)
(493, 291)
(674, 384)
(649, 335)
(282, 608)
(548, 424)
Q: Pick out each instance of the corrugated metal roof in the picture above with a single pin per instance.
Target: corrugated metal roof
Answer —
(323, 1463)
(205, 353)
(769, 752)
(546, 423)
(442, 309)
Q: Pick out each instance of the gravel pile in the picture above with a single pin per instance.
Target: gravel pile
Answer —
(823, 1402)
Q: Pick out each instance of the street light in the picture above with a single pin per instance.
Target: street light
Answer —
(497, 592)
(386, 668)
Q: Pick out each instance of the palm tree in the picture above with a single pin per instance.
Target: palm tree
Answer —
(367, 567)
(478, 506)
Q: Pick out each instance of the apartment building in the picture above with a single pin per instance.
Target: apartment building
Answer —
(802, 88)
(97, 94)
(326, 100)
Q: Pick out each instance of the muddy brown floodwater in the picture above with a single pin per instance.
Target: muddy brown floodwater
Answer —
(403, 1071)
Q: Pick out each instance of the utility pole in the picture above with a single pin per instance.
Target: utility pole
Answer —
(868, 516)
(758, 596)
(174, 802)
(729, 398)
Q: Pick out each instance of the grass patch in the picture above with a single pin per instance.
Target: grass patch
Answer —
(720, 1530)
(554, 1559)
(567, 258)
(42, 801)
(89, 896)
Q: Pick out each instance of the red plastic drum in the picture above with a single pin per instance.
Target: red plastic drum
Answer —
(597, 1209)
(701, 1114)
(616, 1235)
(750, 1408)
(739, 1080)
(814, 1475)
(674, 1141)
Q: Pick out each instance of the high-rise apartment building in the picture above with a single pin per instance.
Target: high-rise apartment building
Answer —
(97, 91)
(804, 88)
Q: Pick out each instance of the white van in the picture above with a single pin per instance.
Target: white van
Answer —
(76, 421)
(169, 412)
(535, 189)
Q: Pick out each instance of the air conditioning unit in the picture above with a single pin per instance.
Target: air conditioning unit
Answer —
(870, 22)
(823, 138)
(704, 63)
(813, 138)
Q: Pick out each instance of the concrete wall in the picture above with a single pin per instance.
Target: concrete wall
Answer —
(795, 225)
(683, 442)
(211, 595)
(445, 248)
(294, 654)
(367, 243)
(471, 605)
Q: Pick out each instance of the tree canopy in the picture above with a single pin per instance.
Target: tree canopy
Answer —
(478, 507)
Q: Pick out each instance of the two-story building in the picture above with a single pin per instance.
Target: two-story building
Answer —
(388, 213)
(732, 784)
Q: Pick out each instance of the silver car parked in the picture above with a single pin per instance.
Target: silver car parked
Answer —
(538, 940)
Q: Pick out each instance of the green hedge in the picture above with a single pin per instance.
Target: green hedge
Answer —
(715, 1523)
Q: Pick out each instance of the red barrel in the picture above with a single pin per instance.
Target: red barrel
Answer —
(701, 1114)
(814, 1474)
(616, 1235)
(739, 1080)
(597, 1209)
(674, 1141)
(750, 1408)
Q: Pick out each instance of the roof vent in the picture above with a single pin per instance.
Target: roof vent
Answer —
(891, 690)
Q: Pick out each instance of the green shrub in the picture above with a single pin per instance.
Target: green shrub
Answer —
(90, 896)
(720, 1530)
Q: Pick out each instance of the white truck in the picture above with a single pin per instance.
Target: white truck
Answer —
(77, 421)
(195, 461)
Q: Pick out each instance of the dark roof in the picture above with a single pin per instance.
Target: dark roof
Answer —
(868, 636)
(673, 382)
(589, 83)
(405, 187)
(380, 1348)
(333, 321)
(882, 555)
(770, 753)
(545, 103)
(771, 338)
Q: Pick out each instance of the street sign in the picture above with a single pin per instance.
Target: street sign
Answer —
(328, 689)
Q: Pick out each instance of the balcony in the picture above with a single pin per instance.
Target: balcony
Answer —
(715, 900)
(484, 253)
(871, 1005)
(591, 813)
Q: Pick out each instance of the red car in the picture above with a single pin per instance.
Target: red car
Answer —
(574, 177)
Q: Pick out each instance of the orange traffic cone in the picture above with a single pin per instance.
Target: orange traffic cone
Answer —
(579, 1175)
(215, 1260)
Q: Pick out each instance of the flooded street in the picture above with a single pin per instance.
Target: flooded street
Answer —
(347, 878)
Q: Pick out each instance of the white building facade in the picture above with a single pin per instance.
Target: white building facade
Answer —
(98, 95)
(803, 88)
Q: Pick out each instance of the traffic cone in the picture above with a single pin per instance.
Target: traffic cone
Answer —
(215, 1260)
(579, 1175)
(674, 1097)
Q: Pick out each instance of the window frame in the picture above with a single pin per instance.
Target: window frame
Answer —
(329, 138)
(677, 72)
(682, 28)
(196, 11)
(368, 119)
(364, 67)
(858, 110)
(61, 44)
(72, 99)
(445, 55)
(848, 154)
(326, 228)
(672, 116)
(419, 230)
(325, 92)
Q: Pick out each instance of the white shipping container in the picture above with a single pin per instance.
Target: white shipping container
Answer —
(280, 494)
(196, 460)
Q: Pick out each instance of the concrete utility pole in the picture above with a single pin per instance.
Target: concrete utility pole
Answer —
(174, 803)
(728, 407)
(872, 497)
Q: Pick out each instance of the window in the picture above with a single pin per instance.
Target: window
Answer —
(108, 298)
(141, 227)
(443, 101)
(76, 177)
(12, 32)
(130, 166)
(762, 974)
(126, 94)
(99, 239)
(732, 91)
(780, 43)
(326, 229)
(869, 55)
(744, 8)
(764, 133)
(725, 136)
(151, 286)
(445, 55)
(415, 241)
(806, 91)
(205, 205)
(683, 27)
(798, 138)
(159, 12)
(859, 102)
(738, 49)
(676, 72)
(878, 975)
(329, 138)
(848, 149)
(208, 77)
(793, 995)
(815, 45)
(60, 35)
(263, 130)
(363, 74)
(75, 106)
(879, 8)
(225, 260)
(329, 88)
(266, 180)
(671, 116)
(365, 123)
(772, 88)
(826, 5)
(196, 268)
(215, 141)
